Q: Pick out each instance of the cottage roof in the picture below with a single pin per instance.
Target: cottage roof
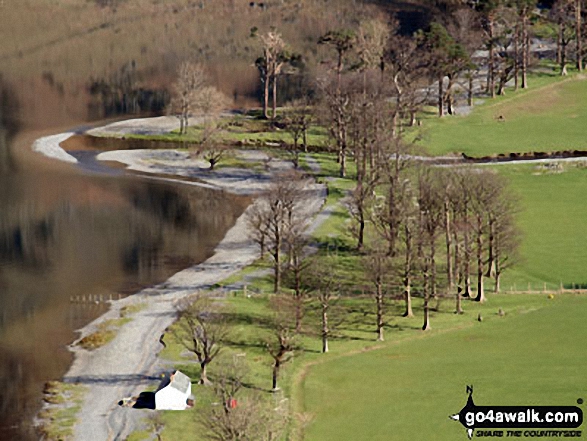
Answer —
(178, 380)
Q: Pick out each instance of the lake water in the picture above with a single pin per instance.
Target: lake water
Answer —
(67, 235)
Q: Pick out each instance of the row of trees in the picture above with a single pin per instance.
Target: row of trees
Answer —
(445, 52)
(204, 330)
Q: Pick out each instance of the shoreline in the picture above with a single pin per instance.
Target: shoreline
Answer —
(129, 363)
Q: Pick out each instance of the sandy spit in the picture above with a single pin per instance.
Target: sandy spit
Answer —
(50, 147)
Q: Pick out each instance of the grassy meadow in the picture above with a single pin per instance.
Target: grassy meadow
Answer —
(552, 220)
(407, 389)
(549, 116)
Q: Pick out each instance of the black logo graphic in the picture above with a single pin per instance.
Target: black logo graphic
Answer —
(516, 417)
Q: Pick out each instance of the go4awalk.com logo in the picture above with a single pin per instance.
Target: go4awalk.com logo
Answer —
(519, 421)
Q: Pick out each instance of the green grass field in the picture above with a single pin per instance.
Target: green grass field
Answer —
(406, 387)
(552, 219)
(549, 116)
(406, 391)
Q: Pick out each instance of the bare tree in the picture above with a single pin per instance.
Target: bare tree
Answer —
(489, 9)
(506, 245)
(462, 232)
(448, 58)
(456, 204)
(430, 203)
(229, 380)
(370, 43)
(296, 242)
(278, 212)
(156, 424)
(297, 122)
(211, 147)
(201, 329)
(466, 30)
(253, 419)
(275, 56)
(525, 8)
(335, 113)
(261, 65)
(368, 136)
(503, 236)
(507, 33)
(377, 265)
(210, 102)
(249, 418)
(408, 235)
(322, 287)
(578, 34)
(487, 190)
(343, 41)
(563, 15)
(386, 214)
(326, 296)
(282, 342)
(191, 79)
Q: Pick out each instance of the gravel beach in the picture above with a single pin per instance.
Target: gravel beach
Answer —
(128, 364)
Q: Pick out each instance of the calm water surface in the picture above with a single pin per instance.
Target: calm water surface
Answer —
(67, 234)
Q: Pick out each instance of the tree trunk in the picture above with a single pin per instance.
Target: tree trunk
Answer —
(379, 299)
(325, 329)
(426, 325)
(579, 37)
(408, 298)
(266, 98)
(203, 373)
(274, 106)
(276, 367)
(394, 123)
(459, 305)
(343, 162)
(407, 276)
(339, 72)
(448, 238)
(497, 284)
(467, 273)
(516, 54)
(277, 263)
(426, 290)
(563, 61)
(480, 293)
(299, 312)
(525, 50)
(491, 84)
(491, 250)
(448, 95)
(559, 40)
(432, 266)
(440, 96)
(361, 228)
(470, 90)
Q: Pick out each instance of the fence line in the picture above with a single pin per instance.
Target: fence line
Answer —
(95, 298)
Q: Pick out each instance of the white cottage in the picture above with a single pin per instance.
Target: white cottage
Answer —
(174, 392)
